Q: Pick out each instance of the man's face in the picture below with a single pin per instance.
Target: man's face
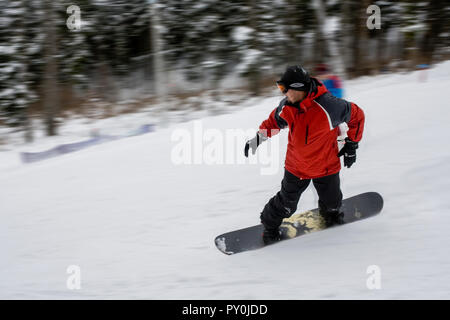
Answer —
(295, 96)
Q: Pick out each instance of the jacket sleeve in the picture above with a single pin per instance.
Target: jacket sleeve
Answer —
(275, 122)
(356, 123)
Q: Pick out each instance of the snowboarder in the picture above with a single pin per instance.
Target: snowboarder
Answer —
(312, 115)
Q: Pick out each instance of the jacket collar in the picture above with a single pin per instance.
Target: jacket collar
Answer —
(317, 89)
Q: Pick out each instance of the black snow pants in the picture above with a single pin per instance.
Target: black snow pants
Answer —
(284, 203)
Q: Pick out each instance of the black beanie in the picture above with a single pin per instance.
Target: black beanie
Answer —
(296, 78)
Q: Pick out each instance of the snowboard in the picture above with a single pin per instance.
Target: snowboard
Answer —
(356, 208)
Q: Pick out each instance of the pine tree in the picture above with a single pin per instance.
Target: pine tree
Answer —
(76, 57)
(21, 44)
(436, 38)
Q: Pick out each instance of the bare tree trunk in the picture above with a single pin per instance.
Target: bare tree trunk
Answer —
(355, 39)
(382, 56)
(23, 73)
(51, 71)
(295, 53)
(365, 41)
(157, 56)
(254, 73)
(362, 65)
(347, 34)
(160, 78)
(28, 127)
(359, 32)
(321, 45)
(329, 47)
(435, 21)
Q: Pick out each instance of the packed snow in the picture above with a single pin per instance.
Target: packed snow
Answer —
(121, 220)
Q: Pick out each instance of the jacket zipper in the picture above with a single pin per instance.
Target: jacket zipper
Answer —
(306, 135)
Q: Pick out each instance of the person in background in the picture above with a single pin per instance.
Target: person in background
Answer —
(331, 81)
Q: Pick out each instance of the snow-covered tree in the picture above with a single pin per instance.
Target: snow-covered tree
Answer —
(20, 47)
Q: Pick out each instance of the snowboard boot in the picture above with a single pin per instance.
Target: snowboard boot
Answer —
(271, 236)
(332, 217)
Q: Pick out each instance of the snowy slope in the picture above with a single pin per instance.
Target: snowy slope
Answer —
(140, 226)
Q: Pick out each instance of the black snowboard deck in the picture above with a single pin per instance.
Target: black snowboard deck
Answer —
(355, 208)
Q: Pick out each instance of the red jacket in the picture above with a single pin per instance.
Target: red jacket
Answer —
(313, 131)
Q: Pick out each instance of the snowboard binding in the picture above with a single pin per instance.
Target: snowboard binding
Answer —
(332, 217)
(271, 236)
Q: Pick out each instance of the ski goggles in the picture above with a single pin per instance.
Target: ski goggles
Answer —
(282, 87)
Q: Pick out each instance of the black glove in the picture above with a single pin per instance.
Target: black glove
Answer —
(349, 152)
(254, 143)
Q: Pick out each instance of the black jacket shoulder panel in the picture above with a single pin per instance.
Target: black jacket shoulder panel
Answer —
(338, 109)
(280, 121)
